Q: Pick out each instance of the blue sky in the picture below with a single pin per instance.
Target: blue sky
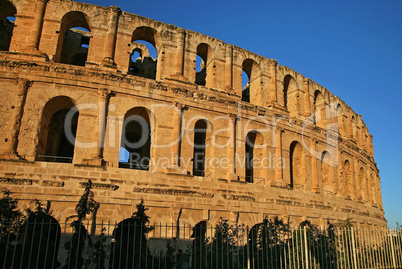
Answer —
(353, 48)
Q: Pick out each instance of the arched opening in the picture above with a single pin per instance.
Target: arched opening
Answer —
(199, 252)
(363, 185)
(129, 245)
(291, 95)
(144, 55)
(58, 130)
(74, 38)
(327, 172)
(7, 22)
(200, 134)
(203, 65)
(251, 82)
(349, 190)
(352, 128)
(136, 140)
(296, 162)
(39, 240)
(254, 157)
(319, 109)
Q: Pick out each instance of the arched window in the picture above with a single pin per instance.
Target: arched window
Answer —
(7, 22)
(203, 65)
(136, 140)
(291, 95)
(347, 173)
(200, 133)
(296, 161)
(254, 157)
(363, 184)
(74, 38)
(251, 82)
(57, 132)
(319, 109)
(144, 55)
(327, 172)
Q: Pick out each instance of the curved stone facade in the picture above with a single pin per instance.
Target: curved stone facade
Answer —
(202, 145)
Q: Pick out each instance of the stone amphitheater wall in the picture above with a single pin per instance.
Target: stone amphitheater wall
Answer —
(318, 152)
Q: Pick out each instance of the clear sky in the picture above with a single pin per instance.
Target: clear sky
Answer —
(351, 47)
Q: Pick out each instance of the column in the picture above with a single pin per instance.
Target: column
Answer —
(181, 41)
(274, 88)
(103, 101)
(306, 88)
(278, 156)
(176, 135)
(314, 168)
(37, 24)
(229, 67)
(110, 43)
(232, 146)
(15, 121)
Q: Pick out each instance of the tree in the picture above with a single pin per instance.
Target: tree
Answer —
(10, 222)
(76, 246)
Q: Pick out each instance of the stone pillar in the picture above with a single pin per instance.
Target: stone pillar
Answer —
(103, 101)
(176, 137)
(274, 88)
(232, 147)
(33, 43)
(314, 172)
(180, 54)
(111, 36)
(229, 67)
(278, 157)
(306, 88)
(10, 152)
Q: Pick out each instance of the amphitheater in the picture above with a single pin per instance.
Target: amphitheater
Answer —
(83, 98)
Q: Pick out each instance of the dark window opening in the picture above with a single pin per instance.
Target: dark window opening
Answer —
(201, 71)
(200, 132)
(250, 142)
(6, 32)
(60, 145)
(135, 148)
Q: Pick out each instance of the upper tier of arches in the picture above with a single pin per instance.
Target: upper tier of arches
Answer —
(105, 37)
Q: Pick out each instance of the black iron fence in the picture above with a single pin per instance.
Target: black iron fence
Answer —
(47, 244)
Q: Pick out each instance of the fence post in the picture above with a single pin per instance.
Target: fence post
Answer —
(390, 233)
(248, 249)
(353, 247)
(306, 247)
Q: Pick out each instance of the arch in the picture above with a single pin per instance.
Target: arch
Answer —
(199, 253)
(129, 245)
(319, 109)
(204, 75)
(348, 182)
(73, 44)
(373, 190)
(291, 96)
(56, 143)
(251, 92)
(7, 10)
(352, 127)
(327, 172)
(136, 139)
(39, 240)
(297, 164)
(254, 155)
(342, 127)
(144, 40)
(200, 135)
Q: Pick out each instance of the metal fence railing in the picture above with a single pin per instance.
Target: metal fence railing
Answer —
(45, 243)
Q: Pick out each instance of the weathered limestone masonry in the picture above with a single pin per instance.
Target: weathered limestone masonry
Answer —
(280, 146)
